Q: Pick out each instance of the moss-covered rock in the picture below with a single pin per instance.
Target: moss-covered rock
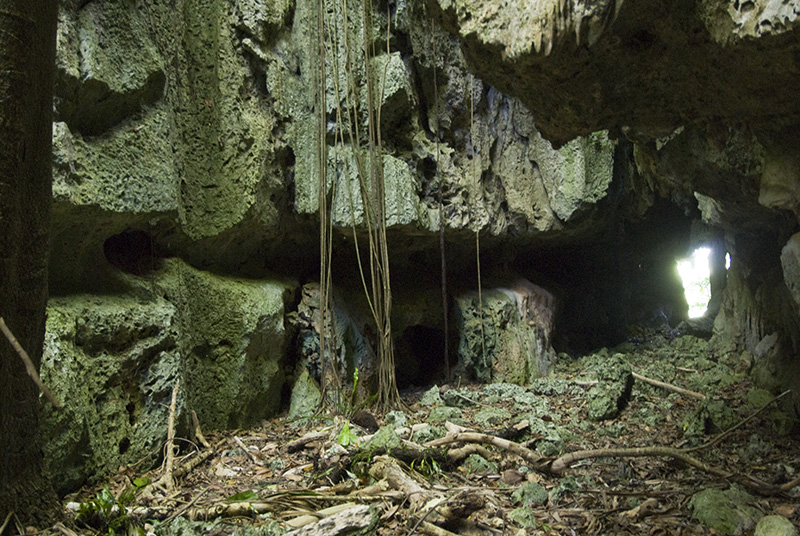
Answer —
(775, 526)
(306, 397)
(530, 494)
(112, 361)
(505, 335)
(233, 341)
(108, 66)
(613, 389)
(477, 464)
(384, 439)
(726, 512)
(444, 413)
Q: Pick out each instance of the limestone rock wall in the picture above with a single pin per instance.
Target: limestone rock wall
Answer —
(705, 91)
(571, 144)
(113, 361)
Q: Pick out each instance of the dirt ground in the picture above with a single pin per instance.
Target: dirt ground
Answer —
(494, 459)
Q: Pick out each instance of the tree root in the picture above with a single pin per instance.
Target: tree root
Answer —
(759, 486)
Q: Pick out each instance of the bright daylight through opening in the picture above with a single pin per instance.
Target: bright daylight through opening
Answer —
(694, 272)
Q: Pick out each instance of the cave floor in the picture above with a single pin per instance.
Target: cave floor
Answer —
(482, 459)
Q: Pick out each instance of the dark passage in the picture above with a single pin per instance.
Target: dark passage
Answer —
(419, 356)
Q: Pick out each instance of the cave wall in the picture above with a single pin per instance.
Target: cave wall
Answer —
(705, 91)
(188, 150)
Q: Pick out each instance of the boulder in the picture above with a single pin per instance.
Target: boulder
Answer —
(505, 333)
(112, 361)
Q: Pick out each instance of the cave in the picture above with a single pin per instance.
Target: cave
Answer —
(264, 216)
(133, 252)
(419, 357)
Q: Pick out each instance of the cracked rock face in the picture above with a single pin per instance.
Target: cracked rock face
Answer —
(705, 90)
(647, 66)
(587, 142)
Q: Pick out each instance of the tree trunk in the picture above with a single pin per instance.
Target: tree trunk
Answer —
(27, 66)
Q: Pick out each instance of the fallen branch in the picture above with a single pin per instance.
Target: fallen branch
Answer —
(385, 467)
(29, 367)
(526, 454)
(457, 455)
(426, 527)
(561, 464)
(670, 387)
(250, 455)
(741, 423)
(360, 519)
(186, 467)
(183, 509)
(198, 432)
(5, 523)
(299, 444)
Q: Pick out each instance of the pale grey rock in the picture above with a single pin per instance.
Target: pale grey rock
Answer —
(576, 175)
(790, 262)
(731, 21)
(775, 525)
(108, 67)
(233, 342)
(727, 512)
(306, 397)
(613, 389)
(780, 181)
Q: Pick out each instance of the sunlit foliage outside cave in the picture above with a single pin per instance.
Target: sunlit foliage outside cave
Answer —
(695, 271)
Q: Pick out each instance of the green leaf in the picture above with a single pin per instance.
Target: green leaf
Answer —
(346, 436)
(141, 481)
(248, 495)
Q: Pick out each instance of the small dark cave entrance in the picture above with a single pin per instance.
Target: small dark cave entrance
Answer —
(419, 356)
(133, 252)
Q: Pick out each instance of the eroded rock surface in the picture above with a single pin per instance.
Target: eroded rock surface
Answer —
(505, 332)
(114, 361)
(586, 145)
(646, 66)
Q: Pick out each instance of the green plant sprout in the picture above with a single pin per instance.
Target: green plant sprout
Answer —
(109, 514)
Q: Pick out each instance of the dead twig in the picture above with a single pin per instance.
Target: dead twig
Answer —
(190, 465)
(741, 423)
(29, 367)
(670, 387)
(63, 529)
(166, 478)
(5, 523)
(299, 444)
(385, 467)
(198, 432)
(180, 511)
(426, 527)
(250, 455)
(461, 453)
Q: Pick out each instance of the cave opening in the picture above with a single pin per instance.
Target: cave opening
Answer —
(419, 359)
(695, 274)
(133, 252)
(704, 277)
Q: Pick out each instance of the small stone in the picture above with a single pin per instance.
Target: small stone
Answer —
(531, 494)
(431, 397)
(775, 526)
(444, 413)
(396, 418)
(366, 420)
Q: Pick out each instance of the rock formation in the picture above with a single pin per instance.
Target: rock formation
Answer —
(584, 146)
